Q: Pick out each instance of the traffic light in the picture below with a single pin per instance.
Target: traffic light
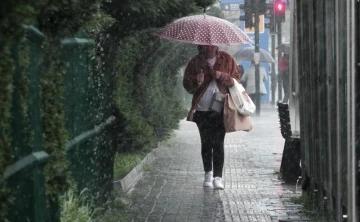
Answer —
(279, 11)
(269, 14)
(247, 7)
(260, 6)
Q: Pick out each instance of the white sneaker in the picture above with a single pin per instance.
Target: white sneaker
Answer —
(218, 184)
(208, 179)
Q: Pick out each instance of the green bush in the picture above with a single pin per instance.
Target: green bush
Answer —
(124, 163)
(13, 14)
(114, 210)
(146, 96)
(55, 19)
(74, 209)
(145, 69)
(139, 70)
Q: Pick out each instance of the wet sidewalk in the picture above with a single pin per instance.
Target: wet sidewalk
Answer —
(171, 189)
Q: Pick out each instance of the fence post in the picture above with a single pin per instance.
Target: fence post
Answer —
(25, 177)
(90, 158)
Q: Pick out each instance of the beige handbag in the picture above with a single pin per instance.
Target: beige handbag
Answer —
(233, 120)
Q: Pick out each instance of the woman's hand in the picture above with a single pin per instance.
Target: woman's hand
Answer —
(200, 77)
(217, 75)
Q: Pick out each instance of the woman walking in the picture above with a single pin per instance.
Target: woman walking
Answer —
(208, 72)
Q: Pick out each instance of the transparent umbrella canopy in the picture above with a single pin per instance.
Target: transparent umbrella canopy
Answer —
(285, 48)
(248, 54)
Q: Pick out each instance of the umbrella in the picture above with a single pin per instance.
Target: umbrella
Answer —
(285, 48)
(204, 30)
(248, 54)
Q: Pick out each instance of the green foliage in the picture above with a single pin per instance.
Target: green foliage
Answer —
(80, 208)
(158, 81)
(6, 88)
(140, 83)
(96, 26)
(12, 15)
(214, 11)
(55, 135)
(21, 85)
(55, 19)
(204, 3)
(6, 199)
(74, 209)
(133, 132)
(133, 16)
(145, 92)
(146, 98)
(60, 19)
(124, 163)
(113, 210)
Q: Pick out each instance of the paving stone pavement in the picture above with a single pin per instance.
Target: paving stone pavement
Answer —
(171, 190)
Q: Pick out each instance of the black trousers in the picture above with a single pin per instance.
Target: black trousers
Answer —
(285, 84)
(253, 97)
(212, 133)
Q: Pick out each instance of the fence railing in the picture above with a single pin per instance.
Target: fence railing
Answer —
(91, 142)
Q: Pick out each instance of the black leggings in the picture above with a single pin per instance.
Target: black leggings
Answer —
(285, 84)
(212, 133)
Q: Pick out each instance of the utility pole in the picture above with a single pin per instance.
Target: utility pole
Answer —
(273, 74)
(279, 12)
(257, 63)
(271, 25)
(279, 40)
(253, 9)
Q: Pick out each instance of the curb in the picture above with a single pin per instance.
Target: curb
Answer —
(135, 174)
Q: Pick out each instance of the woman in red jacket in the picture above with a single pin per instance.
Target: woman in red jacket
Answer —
(206, 73)
(284, 74)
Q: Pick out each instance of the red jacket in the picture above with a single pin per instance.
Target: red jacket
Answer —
(225, 63)
(284, 64)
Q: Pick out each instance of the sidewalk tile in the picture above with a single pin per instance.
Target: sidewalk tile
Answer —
(172, 190)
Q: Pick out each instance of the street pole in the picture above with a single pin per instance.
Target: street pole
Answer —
(273, 74)
(279, 57)
(257, 62)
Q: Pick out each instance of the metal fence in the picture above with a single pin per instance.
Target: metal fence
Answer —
(91, 145)
(325, 87)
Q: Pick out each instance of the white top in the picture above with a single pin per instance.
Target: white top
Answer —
(249, 78)
(205, 100)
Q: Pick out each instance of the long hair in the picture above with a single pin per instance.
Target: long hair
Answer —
(200, 49)
(202, 56)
